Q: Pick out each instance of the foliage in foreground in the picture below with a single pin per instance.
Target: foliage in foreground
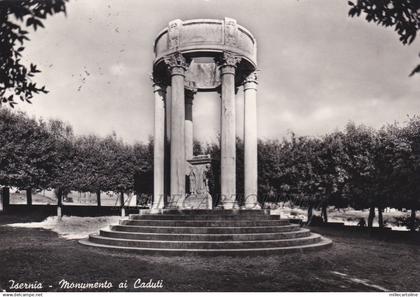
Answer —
(16, 77)
(402, 16)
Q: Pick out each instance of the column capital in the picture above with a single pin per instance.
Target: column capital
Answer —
(190, 86)
(228, 62)
(190, 91)
(251, 81)
(177, 63)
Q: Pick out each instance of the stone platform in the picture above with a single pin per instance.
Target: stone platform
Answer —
(207, 232)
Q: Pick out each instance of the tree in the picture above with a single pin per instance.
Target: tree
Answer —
(240, 174)
(27, 154)
(373, 157)
(90, 172)
(307, 166)
(63, 178)
(333, 177)
(119, 160)
(143, 173)
(15, 76)
(271, 170)
(213, 150)
(360, 166)
(197, 148)
(403, 16)
(407, 168)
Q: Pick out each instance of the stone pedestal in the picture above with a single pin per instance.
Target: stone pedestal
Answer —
(198, 195)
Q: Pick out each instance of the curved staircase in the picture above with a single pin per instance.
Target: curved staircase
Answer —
(207, 232)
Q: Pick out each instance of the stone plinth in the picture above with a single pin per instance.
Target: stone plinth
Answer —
(198, 195)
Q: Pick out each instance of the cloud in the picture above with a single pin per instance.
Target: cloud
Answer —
(319, 68)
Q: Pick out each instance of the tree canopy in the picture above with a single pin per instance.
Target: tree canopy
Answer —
(48, 155)
(359, 167)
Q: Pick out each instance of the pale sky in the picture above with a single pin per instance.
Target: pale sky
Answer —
(319, 68)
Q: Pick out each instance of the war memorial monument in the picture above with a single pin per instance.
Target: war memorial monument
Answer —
(204, 55)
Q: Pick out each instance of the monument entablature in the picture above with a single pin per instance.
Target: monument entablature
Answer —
(203, 43)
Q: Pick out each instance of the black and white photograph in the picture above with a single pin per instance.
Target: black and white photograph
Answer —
(209, 146)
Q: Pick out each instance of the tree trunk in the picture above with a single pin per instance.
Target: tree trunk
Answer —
(310, 213)
(413, 220)
(98, 197)
(59, 193)
(324, 213)
(122, 199)
(371, 216)
(29, 196)
(380, 218)
(122, 204)
(5, 196)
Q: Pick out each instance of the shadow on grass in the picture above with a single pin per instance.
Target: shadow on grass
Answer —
(30, 255)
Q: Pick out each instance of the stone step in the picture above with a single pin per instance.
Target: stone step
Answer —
(201, 217)
(205, 223)
(183, 244)
(207, 230)
(322, 243)
(204, 237)
(213, 212)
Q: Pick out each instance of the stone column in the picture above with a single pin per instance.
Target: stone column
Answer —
(189, 126)
(228, 130)
(159, 149)
(250, 142)
(167, 164)
(177, 65)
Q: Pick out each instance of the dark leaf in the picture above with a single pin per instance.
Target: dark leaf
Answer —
(415, 70)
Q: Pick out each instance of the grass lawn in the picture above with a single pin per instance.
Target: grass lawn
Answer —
(353, 263)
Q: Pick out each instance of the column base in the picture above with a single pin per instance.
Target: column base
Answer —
(251, 206)
(157, 206)
(228, 205)
(144, 211)
(172, 206)
(156, 210)
(176, 202)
